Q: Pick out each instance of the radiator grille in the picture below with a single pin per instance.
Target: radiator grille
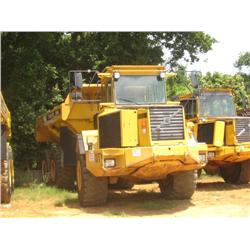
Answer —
(243, 129)
(166, 123)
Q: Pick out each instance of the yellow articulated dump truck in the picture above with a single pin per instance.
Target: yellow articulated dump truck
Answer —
(227, 135)
(7, 168)
(119, 131)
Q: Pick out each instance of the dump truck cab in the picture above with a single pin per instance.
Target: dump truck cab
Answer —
(140, 136)
(227, 135)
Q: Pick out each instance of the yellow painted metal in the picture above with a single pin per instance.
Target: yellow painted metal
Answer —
(129, 131)
(5, 117)
(219, 131)
(143, 127)
(145, 162)
(230, 133)
(77, 115)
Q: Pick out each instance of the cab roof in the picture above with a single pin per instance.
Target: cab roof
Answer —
(135, 69)
(192, 95)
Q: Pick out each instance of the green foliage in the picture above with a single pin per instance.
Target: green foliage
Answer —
(186, 45)
(244, 60)
(178, 85)
(35, 67)
(243, 64)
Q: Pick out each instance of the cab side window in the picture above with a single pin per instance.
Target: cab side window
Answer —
(106, 92)
(189, 107)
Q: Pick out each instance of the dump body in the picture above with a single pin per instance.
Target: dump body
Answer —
(217, 124)
(7, 168)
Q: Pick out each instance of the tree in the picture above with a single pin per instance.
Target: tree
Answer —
(243, 64)
(35, 67)
(178, 85)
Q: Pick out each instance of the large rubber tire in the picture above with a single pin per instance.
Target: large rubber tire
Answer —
(61, 176)
(92, 190)
(5, 183)
(7, 177)
(245, 172)
(66, 177)
(236, 173)
(44, 163)
(179, 185)
(122, 184)
(231, 173)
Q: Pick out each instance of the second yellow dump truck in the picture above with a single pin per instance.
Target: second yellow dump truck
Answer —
(121, 130)
(7, 168)
(228, 136)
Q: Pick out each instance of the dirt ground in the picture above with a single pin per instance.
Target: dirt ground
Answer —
(213, 198)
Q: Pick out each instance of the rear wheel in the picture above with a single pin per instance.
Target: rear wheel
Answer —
(245, 172)
(179, 185)
(238, 173)
(65, 177)
(45, 168)
(231, 173)
(92, 190)
(45, 171)
(5, 182)
(60, 175)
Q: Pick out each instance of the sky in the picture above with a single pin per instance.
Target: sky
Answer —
(224, 53)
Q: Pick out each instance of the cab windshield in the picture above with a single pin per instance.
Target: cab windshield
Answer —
(217, 104)
(140, 90)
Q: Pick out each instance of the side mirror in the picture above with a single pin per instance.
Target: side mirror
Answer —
(78, 79)
(194, 80)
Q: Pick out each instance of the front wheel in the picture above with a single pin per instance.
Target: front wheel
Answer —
(92, 190)
(179, 185)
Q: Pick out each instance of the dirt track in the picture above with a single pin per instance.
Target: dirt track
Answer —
(212, 198)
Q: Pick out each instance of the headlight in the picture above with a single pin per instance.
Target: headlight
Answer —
(116, 75)
(202, 157)
(210, 155)
(109, 163)
(162, 75)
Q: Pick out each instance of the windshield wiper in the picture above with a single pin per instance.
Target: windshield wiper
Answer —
(127, 100)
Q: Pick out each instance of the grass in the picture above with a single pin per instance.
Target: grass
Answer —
(41, 192)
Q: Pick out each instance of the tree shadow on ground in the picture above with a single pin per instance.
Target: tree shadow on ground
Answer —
(219, 186)
(134, 203)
